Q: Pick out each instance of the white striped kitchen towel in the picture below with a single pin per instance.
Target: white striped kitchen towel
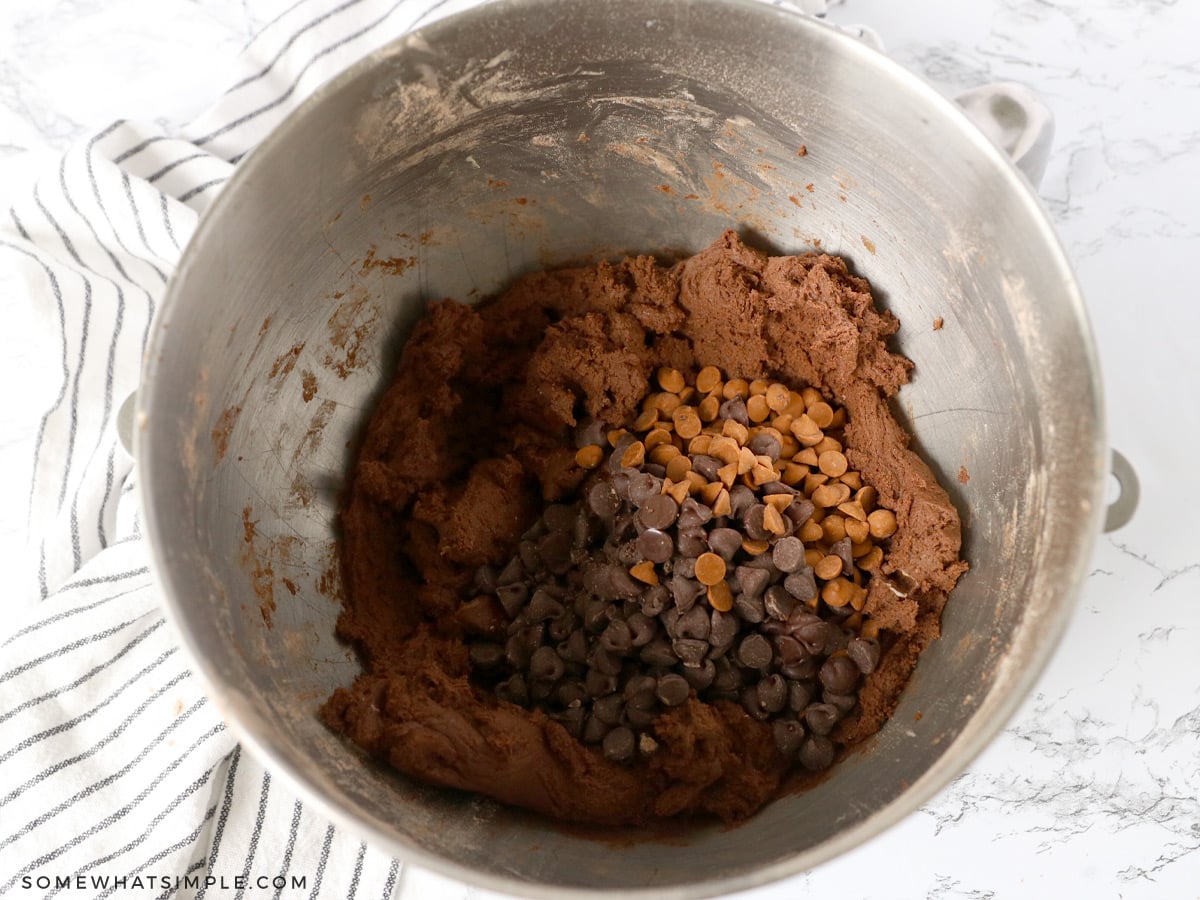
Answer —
(117, 778)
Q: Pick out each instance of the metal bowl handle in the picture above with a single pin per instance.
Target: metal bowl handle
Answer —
(1121, 510)
(1017, 120)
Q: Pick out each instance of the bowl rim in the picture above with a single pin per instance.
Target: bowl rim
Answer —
(986, 723)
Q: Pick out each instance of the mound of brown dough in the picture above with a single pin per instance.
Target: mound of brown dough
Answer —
(474, 434)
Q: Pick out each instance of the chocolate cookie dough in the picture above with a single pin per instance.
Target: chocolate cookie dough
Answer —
(477, 435)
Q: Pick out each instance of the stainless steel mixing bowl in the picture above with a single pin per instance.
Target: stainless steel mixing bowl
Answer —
(529, 133)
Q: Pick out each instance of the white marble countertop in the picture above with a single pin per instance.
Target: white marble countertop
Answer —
(1093, 789)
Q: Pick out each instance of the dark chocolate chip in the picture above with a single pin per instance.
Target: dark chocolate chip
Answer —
(684, 566)
(865, 653)
(801, 584)
(486, 655)
(691, 652)
(728, 677)
(543, 607)
(596, 615)
(655, 599)
(778, 602)
(799, 696)
(839, 674)
(572, 720)
(706, 466)
(723, 630)
(602, 660)
(789, 735)
(518, 652)
(619, 744)
(511, 573)
(513, 596)
(735, 409)
(750, 609)
(765, 444)
(609, 709)
(617, 638)
(800, 511)
(575, 648)
(685, 592)
(513, 689)
(570, 694)
(752, 580)
(597, 683)
(752, 522)
(560, 629)
(724, 542)
(816, 753)
(821, 717)
(741, 498)
(819, 638)
(692, 541)
(844, 702)
(603, 501)
(591, 432)
(643, 486)
(673, 689)
(658, 653)
(790, 650)
(788, 554)
(594, 730)
(754, 652)
(546, 665)
(655, 545)
(486, 579)
(693, 624)
(640, 718)
(772, 693)
(700, 678)
(749, 700)
(693, 514)
(841, 549)
(659, 511)
(642, 629)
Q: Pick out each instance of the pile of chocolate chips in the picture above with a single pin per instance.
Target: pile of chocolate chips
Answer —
(641, 594)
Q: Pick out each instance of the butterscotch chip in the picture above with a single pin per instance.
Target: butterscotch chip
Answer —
(838, 593)
(696, 482)
(615, 435)
(763, 474)
(687, 423)
(661, 454)
(778, 396)
(677, 491)
(670, 379)
(872, 560)
(860, 549)
(839, 418)
(699, 444)
(810, 396)
(813, 556)
(644, 572)
(793, 474)
(830, 495)
(758, 387)
(656, 437)
(589, 457)
(667, 403)
(755, 548)
(796, 405)
(723, 505)
(725, 449)
(646, 420)
(773, 521)
(882, 523)
(746, 460)
(853, 509)
(870, 629)
(853, 480)
(866, 497)
(678, 467)
(710, 568)
(807, 456)
(708, 379)
(728, 474)
(789, 446)
(757, 408)
(711, 491)
(634, 455)
(735, 388)
(821, 413)
(814, 480)
(811, 531)
(708, 409)
(858, 600)
(833, 528)
(735, 430)
(832, 463)
(720, 597)
(828, 568)
(779, 501)
(857, 530)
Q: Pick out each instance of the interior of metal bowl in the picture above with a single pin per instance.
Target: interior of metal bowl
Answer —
(530, 134)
